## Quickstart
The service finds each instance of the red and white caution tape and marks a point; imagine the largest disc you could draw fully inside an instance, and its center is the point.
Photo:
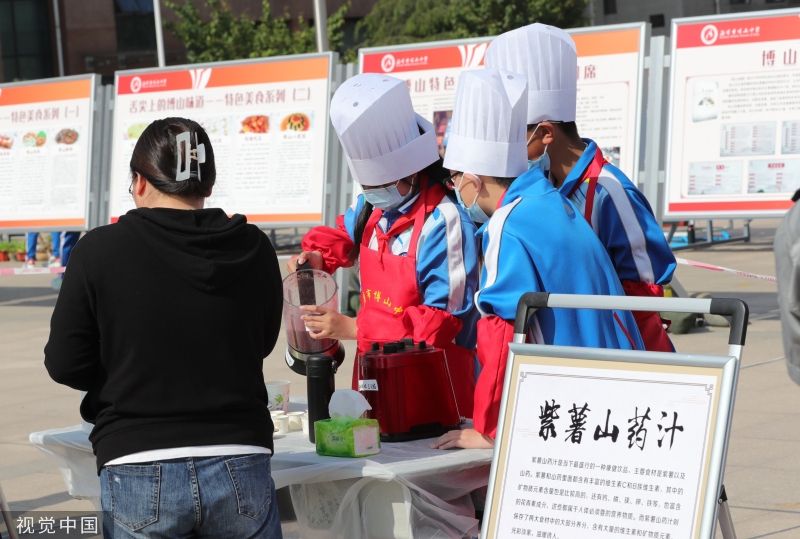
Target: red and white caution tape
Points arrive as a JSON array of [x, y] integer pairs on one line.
[[712, 267], [30, 271]]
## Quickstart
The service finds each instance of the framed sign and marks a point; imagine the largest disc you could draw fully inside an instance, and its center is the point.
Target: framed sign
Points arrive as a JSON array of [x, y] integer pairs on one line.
[[602, 443], [610, 67], [268, 124], [46, 136], [734, 121]]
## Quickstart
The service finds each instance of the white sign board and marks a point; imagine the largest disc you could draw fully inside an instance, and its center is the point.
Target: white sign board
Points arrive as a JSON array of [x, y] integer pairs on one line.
[[734, 143], [267, 120], [610, 60], [611, 444], [45, 153]]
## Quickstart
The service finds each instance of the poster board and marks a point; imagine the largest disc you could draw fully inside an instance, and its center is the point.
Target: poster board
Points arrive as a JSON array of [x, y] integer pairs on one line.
[[46, 138], [268, 124], [610, 67], [734, 121], [609, 443]]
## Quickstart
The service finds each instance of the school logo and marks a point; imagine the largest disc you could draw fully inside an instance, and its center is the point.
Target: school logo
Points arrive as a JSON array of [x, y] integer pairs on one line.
[[472, 54], [709, 34], [388, 62], [200, 77], [136, 84]]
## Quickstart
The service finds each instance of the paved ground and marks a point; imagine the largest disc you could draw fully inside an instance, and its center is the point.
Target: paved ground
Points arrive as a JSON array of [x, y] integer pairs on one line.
[[763, 471]]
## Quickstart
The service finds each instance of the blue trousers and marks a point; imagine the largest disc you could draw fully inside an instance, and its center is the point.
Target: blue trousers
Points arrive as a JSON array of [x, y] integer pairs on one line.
[[62, 244], [215, 497]]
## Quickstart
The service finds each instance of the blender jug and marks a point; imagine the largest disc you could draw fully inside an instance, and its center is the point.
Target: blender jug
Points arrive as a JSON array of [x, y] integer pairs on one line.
[[308, 287]]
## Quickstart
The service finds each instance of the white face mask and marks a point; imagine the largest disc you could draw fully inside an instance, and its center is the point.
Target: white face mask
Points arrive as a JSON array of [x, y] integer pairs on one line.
[[543, 161], [389, 197]]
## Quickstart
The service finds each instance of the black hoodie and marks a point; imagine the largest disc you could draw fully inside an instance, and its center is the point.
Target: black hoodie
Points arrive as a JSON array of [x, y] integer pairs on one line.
[[165, 318]]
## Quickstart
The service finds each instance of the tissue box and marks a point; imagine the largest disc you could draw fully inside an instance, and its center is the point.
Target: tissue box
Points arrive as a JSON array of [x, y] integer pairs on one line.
[[347, 437]]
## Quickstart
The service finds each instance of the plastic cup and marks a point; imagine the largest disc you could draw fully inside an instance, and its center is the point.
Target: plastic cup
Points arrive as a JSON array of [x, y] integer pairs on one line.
[[295, 421], [278, 393], [281, 424]]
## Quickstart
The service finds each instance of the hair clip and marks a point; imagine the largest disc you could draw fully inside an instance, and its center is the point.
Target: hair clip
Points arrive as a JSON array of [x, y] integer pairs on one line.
[[198, 153]]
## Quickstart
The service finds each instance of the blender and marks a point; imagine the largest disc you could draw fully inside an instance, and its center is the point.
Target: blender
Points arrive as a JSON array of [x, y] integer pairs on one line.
[[316, 359]]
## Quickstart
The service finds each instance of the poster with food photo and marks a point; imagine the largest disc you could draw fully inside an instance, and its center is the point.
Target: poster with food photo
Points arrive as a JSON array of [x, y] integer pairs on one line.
[[270, 153], [45, 153]]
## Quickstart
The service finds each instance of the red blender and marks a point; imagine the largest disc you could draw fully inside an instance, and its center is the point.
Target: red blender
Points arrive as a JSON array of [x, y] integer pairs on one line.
[[410, 390]]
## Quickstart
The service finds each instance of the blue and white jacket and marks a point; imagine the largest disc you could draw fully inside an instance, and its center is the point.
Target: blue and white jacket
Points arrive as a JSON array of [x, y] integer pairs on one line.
[[624, 222]]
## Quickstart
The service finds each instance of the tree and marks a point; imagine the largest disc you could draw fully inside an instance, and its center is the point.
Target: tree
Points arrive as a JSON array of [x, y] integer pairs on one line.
[[226, 36], [407, 21]]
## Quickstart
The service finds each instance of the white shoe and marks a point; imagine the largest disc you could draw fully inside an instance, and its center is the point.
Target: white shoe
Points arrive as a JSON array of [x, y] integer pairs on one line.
[[54, 262]]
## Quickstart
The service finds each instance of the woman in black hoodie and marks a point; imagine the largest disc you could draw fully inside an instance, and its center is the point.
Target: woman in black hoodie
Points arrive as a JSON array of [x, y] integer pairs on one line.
[[164, 318]]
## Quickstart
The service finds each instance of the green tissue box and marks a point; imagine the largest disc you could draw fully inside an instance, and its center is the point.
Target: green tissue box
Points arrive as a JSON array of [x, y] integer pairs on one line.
[[340, 437]]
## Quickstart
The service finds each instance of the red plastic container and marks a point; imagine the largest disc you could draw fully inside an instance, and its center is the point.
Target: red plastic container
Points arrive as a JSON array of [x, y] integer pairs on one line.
[[410, 390]]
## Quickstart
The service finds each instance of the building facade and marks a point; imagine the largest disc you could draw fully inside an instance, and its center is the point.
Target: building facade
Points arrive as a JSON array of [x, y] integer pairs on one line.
[[102, 36], [659, 13], [48, 38]]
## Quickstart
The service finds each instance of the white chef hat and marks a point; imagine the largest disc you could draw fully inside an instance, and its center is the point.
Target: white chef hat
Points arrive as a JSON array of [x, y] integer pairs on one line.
[[488, 132], [379, 130], [546, 55]]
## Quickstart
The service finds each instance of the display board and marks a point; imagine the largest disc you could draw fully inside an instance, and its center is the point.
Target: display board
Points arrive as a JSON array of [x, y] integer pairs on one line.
[[609, 443], [45, 153], [268, 124], [734, 131], [610, 66]]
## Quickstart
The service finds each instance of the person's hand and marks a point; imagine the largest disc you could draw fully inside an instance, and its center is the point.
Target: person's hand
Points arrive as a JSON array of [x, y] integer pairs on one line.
[[314, 257], [327, 323], [465, 439]]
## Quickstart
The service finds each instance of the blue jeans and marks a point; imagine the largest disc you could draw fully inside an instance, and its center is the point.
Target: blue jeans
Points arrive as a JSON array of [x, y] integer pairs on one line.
[[61, 248], [215, 497]]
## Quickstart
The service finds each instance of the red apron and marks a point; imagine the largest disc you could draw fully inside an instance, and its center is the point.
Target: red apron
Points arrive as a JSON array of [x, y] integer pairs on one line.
[[389, 287], [650, 324]]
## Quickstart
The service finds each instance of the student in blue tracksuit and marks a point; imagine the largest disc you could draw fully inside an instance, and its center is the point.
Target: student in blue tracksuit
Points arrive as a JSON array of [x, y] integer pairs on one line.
[[533, 239], [615, 208]]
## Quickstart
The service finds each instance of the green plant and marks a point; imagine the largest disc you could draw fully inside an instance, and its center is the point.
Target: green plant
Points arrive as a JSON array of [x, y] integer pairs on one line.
[[5, 246], [223, 35], [16, 246], [407, 21]]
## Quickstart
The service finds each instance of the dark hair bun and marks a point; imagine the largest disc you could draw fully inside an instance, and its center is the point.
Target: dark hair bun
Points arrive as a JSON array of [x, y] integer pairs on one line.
[[155, 157]]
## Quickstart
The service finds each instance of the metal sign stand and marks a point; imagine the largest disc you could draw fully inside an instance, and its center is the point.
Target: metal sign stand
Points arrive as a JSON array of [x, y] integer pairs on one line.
[[710, 240], [734, 308], [6, 511]]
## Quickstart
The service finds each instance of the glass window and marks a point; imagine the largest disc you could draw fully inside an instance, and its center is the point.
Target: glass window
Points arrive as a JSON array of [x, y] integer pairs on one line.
[[25, 39], [610, 7], [135, 25], [657, 20]]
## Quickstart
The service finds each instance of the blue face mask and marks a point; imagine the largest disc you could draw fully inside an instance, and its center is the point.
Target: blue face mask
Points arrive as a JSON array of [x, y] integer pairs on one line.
[[386, 198], [543, 162], [474, 212]]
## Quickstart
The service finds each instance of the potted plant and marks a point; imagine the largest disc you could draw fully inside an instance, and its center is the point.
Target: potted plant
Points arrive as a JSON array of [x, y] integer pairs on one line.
[[5, 247], [18, 248]]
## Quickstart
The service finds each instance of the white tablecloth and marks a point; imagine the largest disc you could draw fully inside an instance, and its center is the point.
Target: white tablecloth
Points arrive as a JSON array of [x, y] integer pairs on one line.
[[423, 489]]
